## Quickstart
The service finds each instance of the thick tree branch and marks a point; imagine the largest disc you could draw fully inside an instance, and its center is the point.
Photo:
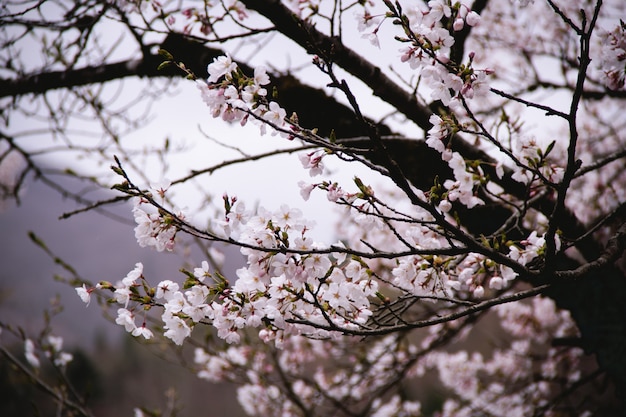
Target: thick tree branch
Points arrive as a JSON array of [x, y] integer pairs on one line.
[[614, 250], [315, 42], [195, 56]]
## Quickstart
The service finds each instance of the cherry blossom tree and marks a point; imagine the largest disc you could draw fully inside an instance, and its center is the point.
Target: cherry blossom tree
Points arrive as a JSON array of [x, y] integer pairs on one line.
[[491, 211]]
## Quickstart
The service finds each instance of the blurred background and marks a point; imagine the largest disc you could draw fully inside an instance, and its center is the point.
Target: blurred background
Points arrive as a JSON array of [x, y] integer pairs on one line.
[[116, 371]]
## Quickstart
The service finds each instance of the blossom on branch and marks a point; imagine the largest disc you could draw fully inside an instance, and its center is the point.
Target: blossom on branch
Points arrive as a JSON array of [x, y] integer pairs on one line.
[[220, 67], [29, 353], [613, 58], [153, 229]]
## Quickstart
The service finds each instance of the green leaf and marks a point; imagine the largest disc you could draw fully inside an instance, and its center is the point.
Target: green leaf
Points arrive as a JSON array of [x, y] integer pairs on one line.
[[117, 170], [549, 148], [166, 54], [123, 187], [164, 64]]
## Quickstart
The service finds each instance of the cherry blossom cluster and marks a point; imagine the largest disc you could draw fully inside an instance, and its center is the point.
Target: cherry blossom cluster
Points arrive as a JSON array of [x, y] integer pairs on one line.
[[514, 379], [596, 191], [51, 347], [343, 369], [531, 247], [430, 47], [613, 58], [442, 276], [156, 226], [259, 392], [236, 98], [292, 284], [448, 276], [124, 292], [134, 294], [385, 357], [462, 188], [431, 275], [519, 379], [287, 280], [154, 229], [536, 162], [276, 289]]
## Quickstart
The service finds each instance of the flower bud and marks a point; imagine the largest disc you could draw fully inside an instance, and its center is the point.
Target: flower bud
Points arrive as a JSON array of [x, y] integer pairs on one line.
[[458, 24]]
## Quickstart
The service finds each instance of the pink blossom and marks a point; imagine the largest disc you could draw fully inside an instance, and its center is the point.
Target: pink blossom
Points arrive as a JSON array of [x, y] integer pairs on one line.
[[458, 24], [478, 292], [305, 189], [143, 331], [275, 114], [126, 318], [472, 18], [496, 283], [166, 289], [313, 162], [29, 353], [176, 328], [222, 65], [203, 272], [84, 293]]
